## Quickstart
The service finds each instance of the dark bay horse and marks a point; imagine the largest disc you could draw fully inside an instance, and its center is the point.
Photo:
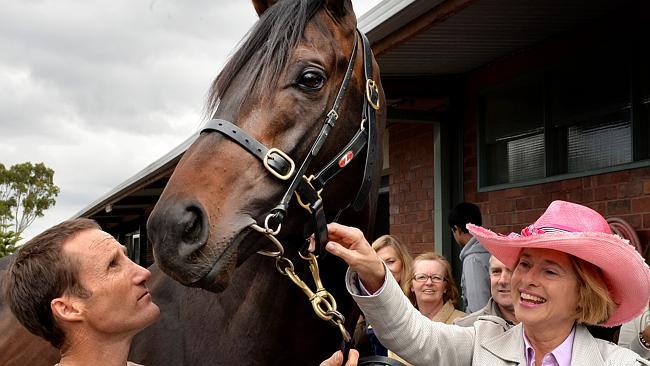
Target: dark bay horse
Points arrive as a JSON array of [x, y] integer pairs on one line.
[[227, 305]]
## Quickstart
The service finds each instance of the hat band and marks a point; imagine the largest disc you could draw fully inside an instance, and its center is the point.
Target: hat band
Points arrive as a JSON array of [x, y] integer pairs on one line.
[[532, 230]]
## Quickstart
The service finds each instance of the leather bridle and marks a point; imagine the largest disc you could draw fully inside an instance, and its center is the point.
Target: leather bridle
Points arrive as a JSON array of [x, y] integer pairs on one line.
[[307, 189]]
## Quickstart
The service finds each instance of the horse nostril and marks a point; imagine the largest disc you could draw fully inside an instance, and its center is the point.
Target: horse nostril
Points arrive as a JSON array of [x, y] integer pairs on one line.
[[193, 231]]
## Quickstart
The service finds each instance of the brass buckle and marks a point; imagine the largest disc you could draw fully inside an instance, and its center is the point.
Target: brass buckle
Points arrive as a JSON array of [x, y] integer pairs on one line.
[[266, 158], [307, 206], [371, 87]]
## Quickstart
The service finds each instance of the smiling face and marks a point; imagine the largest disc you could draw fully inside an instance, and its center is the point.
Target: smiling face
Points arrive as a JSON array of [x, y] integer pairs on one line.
[[389, 255], [545, 289], [119, 302], [429, 292], [500, 277]]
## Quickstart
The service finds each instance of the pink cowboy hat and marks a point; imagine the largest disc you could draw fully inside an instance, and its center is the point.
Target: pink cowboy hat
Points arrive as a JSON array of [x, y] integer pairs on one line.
[[582, 232]]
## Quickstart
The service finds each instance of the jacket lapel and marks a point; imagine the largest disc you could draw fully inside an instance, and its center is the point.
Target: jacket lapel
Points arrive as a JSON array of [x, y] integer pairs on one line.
[[508, 346], [585, 349]]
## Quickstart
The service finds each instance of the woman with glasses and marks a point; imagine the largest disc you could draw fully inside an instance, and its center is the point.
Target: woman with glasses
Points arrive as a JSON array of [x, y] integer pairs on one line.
[[435, 290]]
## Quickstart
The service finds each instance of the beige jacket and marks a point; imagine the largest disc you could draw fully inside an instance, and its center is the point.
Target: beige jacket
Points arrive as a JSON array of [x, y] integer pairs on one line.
[[491, 308], [447, 314], [402, 328]]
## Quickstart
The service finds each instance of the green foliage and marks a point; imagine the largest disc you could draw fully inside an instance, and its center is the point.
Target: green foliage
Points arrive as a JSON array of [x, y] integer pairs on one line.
[[26, 191], [8, 241]]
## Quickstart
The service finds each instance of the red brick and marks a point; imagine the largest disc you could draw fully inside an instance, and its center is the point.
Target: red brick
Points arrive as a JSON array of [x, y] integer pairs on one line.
[[515, 192], [571, 184], [619, 207], [524, 203], [630, 189], [646, 187], [542, 201], [552, 187], [641, 205], [646, 221], [604, 193], [620, 177]]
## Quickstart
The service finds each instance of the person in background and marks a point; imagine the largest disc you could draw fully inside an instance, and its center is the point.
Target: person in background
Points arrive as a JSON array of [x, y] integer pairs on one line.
[[399, 262], [635, 334], [435, 291], [500, 304], [74, 286], [474, 281]]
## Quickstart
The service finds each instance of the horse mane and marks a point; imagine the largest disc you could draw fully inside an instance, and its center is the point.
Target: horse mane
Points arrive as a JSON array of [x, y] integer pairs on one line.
[[265, 49]]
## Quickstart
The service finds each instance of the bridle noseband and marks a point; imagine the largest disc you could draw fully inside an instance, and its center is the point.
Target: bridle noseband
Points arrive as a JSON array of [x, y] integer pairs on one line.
[[307, 189]]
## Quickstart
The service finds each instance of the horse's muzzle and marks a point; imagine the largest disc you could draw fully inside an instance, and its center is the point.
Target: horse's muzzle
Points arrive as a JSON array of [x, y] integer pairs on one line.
[[178, 230]]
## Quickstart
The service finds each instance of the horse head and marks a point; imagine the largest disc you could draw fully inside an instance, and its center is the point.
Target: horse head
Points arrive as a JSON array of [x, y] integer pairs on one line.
[[285, 107]]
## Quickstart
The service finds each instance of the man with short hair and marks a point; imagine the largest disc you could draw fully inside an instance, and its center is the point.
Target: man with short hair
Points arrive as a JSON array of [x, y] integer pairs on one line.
[[474, 281], [500, 304], [74, 286]]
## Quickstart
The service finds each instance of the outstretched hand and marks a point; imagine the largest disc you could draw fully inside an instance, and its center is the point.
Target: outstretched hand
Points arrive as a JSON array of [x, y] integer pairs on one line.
[[349, 244], [337, 359]]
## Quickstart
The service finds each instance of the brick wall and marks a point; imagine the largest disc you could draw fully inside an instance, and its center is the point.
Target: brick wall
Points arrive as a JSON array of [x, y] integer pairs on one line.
[[624, 194], [411, 185]]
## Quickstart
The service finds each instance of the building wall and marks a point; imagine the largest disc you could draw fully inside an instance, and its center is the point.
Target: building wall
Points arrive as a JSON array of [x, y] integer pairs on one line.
[[411, 185], [624, 194]]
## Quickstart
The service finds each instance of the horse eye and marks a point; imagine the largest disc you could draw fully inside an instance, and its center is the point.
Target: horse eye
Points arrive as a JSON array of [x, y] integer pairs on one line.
[[311, 80]]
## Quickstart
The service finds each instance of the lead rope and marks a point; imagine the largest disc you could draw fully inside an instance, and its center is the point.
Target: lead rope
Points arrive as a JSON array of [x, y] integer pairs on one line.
[[322, 302]]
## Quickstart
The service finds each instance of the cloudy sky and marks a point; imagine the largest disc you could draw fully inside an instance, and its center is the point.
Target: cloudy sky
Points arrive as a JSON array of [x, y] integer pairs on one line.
[[99, 89]]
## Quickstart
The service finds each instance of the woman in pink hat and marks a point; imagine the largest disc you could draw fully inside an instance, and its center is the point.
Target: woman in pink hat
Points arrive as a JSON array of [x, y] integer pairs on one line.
[[569, 271]]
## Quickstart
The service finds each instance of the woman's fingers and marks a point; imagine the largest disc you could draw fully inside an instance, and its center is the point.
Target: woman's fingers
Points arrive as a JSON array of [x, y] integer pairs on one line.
[[346, 235], [353, 357], [337, 359], [349, 244]]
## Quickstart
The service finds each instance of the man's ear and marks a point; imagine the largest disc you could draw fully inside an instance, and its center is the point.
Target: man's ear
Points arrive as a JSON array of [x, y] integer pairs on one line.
[[66, 309], [262, 5]]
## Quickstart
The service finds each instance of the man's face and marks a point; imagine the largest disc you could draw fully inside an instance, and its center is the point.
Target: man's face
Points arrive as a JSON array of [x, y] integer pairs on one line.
[[500, 277], [119, 302], [455, 232]]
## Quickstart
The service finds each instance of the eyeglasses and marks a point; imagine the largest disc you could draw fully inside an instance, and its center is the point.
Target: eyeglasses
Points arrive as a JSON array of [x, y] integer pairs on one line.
[[421, 277]]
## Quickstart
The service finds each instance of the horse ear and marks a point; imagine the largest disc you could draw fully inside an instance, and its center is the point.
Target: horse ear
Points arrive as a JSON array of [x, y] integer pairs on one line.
[[340, 8], [262, 5]]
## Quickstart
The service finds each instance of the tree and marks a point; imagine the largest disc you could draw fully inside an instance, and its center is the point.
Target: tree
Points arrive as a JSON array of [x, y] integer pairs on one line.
[[26, 191], [8, 241]]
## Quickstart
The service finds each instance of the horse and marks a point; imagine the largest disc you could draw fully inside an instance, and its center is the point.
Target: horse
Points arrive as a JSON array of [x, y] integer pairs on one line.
[[305, 83]]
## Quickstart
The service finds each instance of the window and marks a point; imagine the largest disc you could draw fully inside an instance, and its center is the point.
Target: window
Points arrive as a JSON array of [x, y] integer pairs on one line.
[[589, 112]]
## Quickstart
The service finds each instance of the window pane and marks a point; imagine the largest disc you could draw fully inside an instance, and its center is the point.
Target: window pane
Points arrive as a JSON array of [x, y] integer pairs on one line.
[[592, 147], [513, 131], [516, 160]]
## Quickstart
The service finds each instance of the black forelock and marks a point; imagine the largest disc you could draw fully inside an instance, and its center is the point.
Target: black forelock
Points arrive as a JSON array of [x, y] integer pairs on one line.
[[265, 48]]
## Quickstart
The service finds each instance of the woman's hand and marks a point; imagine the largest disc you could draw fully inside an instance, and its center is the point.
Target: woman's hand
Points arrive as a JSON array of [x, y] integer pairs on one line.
[[337, 359], [349, 244]]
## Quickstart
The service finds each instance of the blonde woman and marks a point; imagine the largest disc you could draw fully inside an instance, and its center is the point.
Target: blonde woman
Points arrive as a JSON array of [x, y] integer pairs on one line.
[[399, 262]]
